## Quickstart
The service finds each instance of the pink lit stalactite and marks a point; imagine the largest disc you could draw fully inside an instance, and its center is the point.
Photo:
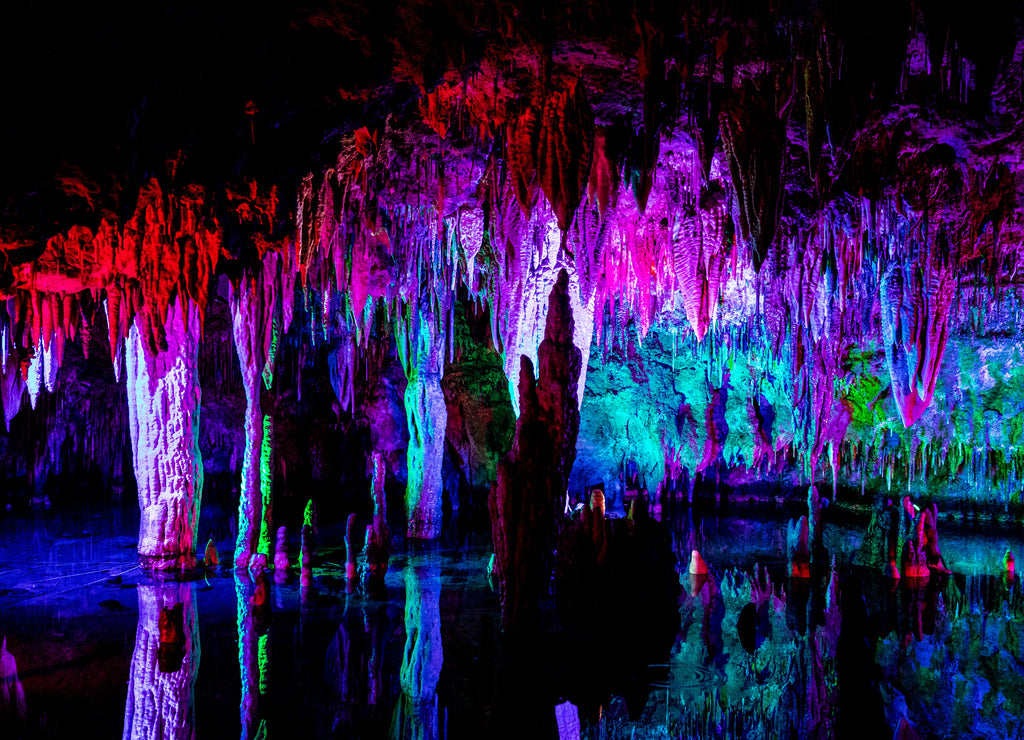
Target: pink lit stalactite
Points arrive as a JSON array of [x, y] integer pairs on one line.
[[163, 416], [422, 347], [699, 256], [253, 304], [165, 663]]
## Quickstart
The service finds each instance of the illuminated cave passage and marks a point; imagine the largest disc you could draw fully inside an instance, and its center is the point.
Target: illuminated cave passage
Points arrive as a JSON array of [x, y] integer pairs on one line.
[[531, 369]]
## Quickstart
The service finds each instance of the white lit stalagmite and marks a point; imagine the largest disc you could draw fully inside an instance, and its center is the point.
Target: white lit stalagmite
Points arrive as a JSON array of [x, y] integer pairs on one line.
[[163, 416], [165, 663]]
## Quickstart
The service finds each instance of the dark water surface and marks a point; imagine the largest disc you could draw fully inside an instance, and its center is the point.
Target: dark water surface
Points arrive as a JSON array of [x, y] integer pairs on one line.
[[102, 651]]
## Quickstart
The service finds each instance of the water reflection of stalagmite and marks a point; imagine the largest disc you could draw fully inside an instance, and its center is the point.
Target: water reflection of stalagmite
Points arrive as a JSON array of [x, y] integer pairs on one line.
[[164, 665], [253, 651], [12, 695], [416, 712]]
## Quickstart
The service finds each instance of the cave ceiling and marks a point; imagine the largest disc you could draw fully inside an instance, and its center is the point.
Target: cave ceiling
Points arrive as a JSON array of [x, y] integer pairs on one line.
[[832, 189]]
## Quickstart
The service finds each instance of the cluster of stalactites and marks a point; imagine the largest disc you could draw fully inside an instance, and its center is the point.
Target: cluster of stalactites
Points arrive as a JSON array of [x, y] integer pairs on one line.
[[166, 251]]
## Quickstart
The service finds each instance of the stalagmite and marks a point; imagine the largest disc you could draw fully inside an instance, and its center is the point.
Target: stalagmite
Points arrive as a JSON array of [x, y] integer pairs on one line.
[[163, 413], [210, 557], [373, 561], [165, 664], [281, 550], [307, 549]]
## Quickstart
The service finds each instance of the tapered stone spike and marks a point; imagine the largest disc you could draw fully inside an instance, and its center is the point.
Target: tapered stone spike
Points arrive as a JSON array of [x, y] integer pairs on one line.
[[281, 550], [697, 565], [211, 559]]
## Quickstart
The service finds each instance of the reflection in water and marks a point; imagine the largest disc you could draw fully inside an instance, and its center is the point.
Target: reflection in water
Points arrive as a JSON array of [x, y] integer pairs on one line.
[[253, 609], [355, 668], [415, 715], [746, 651], [12, 694], [164, 665]]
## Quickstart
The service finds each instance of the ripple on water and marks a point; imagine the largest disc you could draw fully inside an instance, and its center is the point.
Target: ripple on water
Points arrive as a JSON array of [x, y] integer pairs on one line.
[[691, 677]]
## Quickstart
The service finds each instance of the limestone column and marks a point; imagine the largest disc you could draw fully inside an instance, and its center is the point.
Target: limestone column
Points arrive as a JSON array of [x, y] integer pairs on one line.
[[163, 416], [253, 313]]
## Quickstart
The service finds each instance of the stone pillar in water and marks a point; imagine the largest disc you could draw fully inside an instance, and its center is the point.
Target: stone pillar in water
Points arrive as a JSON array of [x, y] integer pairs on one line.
[[163, 417], [165, 663], [423, 354], [253, 316]]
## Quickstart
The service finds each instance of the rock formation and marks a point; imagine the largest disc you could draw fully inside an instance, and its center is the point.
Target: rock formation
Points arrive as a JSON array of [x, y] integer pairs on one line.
[[532, 479]]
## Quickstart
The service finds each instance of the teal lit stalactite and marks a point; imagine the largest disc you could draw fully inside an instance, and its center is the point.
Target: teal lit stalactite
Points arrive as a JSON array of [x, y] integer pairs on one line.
[[165, 664], [421, 346]]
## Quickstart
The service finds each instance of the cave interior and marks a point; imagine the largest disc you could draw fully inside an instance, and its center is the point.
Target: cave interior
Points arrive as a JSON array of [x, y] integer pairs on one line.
[[452, 368]]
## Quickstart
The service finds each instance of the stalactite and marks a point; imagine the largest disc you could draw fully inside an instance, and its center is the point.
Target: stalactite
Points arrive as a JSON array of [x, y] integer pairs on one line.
[[915, 327]]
